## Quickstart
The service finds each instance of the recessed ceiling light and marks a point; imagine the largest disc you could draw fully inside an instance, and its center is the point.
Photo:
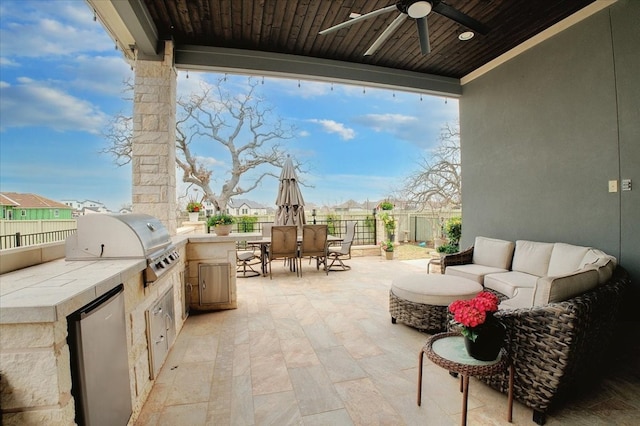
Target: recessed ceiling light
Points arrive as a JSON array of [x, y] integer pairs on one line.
[[467, 35]]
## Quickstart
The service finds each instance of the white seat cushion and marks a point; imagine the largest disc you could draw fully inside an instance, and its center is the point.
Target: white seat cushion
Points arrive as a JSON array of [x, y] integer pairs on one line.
[[437, 290], [565, 258], [507, 282], [493, 252], [532, 257], [472, 271]]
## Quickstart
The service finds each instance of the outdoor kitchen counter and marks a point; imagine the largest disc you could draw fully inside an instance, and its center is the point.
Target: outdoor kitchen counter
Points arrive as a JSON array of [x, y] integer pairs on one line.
[[50, 291]]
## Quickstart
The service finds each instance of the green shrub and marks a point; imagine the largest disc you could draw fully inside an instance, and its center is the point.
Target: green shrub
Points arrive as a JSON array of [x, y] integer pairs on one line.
[[447, 249]]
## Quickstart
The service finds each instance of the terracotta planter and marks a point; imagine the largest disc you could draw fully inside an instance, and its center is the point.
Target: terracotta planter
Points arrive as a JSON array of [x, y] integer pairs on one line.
[[222, 230]]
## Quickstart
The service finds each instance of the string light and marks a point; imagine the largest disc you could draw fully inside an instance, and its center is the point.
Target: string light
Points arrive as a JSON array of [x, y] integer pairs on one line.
[[95, 17], [298, 83], [187, 74], [394, 94], [225, 76], [263, 79], [364, 90], [420, 97], [332, 87], [445, 101]]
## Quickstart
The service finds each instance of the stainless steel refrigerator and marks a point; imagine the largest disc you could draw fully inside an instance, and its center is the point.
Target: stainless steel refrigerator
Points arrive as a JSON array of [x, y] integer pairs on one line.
[[99, 361]]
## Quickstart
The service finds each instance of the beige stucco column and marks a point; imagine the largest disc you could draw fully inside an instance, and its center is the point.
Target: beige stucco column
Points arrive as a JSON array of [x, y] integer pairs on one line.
[[154, 134]]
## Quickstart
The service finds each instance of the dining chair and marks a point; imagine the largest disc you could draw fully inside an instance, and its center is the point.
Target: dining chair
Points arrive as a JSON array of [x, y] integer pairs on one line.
[[284, 245], [337, 254], [245, 261], [314, 245]]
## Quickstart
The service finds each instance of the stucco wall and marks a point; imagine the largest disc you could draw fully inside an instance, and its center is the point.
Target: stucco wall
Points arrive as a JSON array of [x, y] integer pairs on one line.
[[543, 134]]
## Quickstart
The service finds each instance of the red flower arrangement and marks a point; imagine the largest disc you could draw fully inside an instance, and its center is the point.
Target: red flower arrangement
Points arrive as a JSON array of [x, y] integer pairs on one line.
[[470, 314]]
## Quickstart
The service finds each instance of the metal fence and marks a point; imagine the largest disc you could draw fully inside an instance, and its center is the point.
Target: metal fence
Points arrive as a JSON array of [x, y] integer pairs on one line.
[[20, 240]]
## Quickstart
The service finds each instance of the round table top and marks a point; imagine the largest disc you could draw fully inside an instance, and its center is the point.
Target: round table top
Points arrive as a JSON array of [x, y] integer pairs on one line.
[[448, 351]]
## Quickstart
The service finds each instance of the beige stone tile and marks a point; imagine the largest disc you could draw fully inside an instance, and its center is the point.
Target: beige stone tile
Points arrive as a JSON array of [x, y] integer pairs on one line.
[[201, 349], [314, 390], [264, 342], [337, 417], [320, 336], [276, 409], [298, 353], [241, 360], [192, 384], [288, 328], [186, 414], [269, 374], [242, 401], [340, 365], [365, 403]]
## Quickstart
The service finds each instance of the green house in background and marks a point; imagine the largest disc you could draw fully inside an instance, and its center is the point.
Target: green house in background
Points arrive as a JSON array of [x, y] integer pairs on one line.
[[16, 206]]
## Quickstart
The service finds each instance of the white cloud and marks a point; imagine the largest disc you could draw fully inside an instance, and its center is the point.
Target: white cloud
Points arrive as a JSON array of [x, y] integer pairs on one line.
[[100, 74], [331, 126], [384, 122], [304, 133], [35, 103], [43, 29]]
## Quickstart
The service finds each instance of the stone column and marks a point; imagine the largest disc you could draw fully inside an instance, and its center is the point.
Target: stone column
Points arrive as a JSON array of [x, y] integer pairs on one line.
[[154, 139]]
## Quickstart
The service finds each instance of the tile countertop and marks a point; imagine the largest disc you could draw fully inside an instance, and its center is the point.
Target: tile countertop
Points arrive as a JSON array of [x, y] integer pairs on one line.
[[52, 290]]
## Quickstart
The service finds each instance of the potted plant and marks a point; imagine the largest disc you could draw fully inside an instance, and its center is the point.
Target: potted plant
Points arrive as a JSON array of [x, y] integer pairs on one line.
[[453, 230], [390, 224], [194, 208], [483, 333], [386, 205], [387, 247], [222, 223]]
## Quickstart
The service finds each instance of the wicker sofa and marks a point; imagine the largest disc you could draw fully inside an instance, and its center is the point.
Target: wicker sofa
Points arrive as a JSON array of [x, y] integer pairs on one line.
[[557, 347]]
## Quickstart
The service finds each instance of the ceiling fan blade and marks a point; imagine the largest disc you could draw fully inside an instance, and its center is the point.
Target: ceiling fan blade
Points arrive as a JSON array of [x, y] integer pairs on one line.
[[423, 35], [358, 19], [386, 34], [455, 15]]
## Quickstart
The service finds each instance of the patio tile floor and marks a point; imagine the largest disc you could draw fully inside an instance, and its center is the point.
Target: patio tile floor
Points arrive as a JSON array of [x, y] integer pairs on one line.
[[321, 350]]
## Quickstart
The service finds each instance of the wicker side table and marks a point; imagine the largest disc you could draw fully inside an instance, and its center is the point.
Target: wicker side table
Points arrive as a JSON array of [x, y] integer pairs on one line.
[[447, 350]]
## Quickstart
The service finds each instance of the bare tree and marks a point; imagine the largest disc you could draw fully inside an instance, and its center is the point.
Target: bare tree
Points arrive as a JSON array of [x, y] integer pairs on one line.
[[437, 182], [242, 123]]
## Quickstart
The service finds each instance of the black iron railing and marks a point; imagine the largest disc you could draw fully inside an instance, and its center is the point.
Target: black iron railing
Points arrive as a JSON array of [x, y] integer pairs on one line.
[[365, 228], [20, 240]]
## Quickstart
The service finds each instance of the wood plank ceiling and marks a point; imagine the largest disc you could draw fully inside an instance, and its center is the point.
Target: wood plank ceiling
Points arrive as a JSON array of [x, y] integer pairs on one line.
[[292, 26]]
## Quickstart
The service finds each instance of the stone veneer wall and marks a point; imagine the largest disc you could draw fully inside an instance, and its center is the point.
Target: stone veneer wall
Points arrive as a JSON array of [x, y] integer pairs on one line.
[[154, 139]]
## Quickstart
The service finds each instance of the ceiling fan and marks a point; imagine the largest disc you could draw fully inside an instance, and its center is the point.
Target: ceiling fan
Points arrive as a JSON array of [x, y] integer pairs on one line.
[[417, 10]]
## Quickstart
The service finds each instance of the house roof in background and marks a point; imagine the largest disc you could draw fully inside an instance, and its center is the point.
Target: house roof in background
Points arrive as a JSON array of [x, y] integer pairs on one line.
[[29, 201]]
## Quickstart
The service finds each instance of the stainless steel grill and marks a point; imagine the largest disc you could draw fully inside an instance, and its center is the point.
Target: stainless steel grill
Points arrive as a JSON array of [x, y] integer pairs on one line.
[[123, 236]]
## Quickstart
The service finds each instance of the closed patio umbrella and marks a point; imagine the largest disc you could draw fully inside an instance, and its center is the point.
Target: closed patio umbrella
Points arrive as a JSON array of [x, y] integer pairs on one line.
[[289, 201]]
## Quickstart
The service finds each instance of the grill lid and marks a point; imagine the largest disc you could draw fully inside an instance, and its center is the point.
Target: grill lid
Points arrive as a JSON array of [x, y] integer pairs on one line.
[[117, 236]]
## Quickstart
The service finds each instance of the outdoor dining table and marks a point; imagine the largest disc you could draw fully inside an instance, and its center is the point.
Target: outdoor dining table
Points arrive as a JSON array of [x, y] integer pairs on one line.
[[264, 243]]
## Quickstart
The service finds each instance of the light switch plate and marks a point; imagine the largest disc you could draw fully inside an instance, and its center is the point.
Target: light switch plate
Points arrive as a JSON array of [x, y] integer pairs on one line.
[[613, 186], [626, 184]]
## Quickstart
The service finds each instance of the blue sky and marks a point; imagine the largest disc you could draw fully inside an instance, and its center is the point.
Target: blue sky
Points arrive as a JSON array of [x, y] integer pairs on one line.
[[61, 80]]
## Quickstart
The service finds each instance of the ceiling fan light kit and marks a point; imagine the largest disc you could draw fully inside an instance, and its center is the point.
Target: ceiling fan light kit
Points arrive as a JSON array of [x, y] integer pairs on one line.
[[418, 11]]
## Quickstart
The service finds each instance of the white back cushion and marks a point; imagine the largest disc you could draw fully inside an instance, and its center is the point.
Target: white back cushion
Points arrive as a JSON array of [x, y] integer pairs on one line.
[[565, 258], [557, 289], [532, 257], [492, 252]]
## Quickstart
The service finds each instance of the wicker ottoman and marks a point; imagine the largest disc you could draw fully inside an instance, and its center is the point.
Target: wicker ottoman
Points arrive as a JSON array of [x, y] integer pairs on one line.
[[421, 300]]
